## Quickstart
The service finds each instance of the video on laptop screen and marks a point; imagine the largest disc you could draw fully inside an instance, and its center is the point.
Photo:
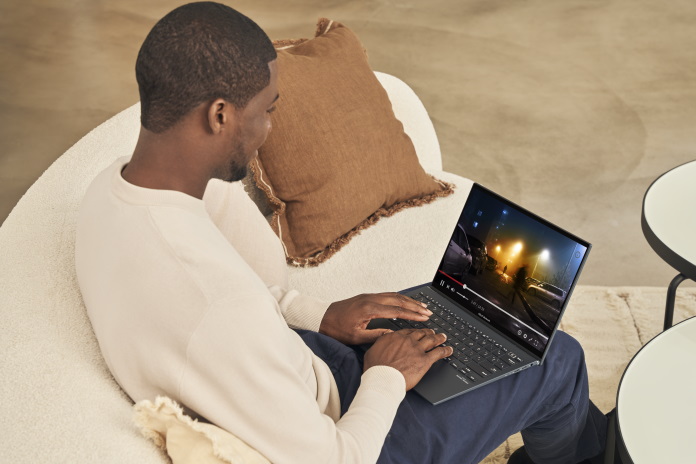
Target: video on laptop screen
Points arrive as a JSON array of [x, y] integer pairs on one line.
[[510, 268]]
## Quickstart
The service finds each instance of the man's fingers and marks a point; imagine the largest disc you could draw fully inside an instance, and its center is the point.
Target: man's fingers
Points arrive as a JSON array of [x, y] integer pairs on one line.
[[431, 340], [407, 331], [421, 334], [406, 303], [371, 336], [439, 352], [398, 312], [412, 305]]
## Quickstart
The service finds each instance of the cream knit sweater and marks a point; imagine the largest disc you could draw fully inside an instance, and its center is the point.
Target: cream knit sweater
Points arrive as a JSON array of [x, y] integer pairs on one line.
[[190, 299]]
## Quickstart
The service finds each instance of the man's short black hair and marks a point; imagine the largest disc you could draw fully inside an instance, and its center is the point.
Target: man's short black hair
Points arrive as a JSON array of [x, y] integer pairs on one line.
[[197, 53]]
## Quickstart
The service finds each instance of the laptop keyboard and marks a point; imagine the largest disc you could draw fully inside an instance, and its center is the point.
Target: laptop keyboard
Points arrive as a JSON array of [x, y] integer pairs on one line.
[[476, 355]]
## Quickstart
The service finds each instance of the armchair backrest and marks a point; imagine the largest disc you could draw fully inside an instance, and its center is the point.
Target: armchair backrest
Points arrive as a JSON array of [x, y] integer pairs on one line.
[[57, 395]]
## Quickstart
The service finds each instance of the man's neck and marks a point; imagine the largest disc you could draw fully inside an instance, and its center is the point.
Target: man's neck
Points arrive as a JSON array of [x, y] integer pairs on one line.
[[165, 162]]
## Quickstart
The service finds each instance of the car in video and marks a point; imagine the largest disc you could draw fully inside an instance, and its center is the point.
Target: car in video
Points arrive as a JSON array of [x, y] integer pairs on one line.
[[457, 260], [479, 254], [547, 292]]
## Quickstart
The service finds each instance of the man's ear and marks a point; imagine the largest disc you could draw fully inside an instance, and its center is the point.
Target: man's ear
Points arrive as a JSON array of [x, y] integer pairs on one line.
[[220, 116]]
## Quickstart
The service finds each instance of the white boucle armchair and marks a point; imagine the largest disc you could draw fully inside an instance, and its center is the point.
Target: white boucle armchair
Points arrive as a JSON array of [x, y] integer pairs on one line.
[[58, 401]]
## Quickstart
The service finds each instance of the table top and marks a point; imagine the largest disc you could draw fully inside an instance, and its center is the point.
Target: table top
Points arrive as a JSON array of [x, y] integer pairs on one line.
[[669, 218], [656, 402]]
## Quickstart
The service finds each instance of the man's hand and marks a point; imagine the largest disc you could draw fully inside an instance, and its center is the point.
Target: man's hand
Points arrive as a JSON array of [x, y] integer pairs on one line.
[[410, 351], [347, 320]]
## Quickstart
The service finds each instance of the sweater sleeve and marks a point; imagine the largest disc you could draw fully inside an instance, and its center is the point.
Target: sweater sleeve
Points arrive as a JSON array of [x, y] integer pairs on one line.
[[250, 375], [243, 225], [300, 311]]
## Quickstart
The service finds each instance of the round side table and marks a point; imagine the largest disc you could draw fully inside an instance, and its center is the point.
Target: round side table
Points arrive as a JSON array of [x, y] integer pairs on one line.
[[669, 225], [656, 401]]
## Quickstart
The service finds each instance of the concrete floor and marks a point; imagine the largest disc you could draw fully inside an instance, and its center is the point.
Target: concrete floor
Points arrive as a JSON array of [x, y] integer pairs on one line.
[[568, 108]]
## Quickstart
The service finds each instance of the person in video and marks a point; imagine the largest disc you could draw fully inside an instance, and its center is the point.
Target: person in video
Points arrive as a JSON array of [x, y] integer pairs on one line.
[[186, 287], [519, 282]]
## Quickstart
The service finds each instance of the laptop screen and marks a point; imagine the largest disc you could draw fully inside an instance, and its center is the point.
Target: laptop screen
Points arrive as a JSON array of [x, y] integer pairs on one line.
[[510, 268]]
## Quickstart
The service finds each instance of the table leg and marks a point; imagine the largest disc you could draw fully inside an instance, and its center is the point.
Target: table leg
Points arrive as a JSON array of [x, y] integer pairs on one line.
[[671, 294], [615, 451]]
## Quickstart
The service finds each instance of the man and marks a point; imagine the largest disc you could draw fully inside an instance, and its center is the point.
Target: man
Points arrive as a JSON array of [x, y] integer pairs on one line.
[[187, 291]]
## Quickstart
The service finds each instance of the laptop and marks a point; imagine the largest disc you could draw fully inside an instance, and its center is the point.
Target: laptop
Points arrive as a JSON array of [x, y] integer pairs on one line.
[[499, 292]]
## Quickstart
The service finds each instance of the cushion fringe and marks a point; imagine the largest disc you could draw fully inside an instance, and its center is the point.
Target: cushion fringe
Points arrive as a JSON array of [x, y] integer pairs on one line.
[[276, 203], [282, 44], [340, 242]]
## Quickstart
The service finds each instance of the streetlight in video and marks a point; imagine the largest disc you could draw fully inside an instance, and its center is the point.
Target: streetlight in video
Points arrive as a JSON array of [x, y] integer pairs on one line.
[[544, 255], [516, 248]]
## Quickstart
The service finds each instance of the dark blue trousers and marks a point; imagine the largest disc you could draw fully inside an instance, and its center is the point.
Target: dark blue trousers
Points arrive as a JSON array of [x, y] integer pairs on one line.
[[549, 404]]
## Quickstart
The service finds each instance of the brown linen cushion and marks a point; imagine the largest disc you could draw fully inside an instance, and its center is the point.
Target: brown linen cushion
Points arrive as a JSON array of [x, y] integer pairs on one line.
[[337, 158]]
